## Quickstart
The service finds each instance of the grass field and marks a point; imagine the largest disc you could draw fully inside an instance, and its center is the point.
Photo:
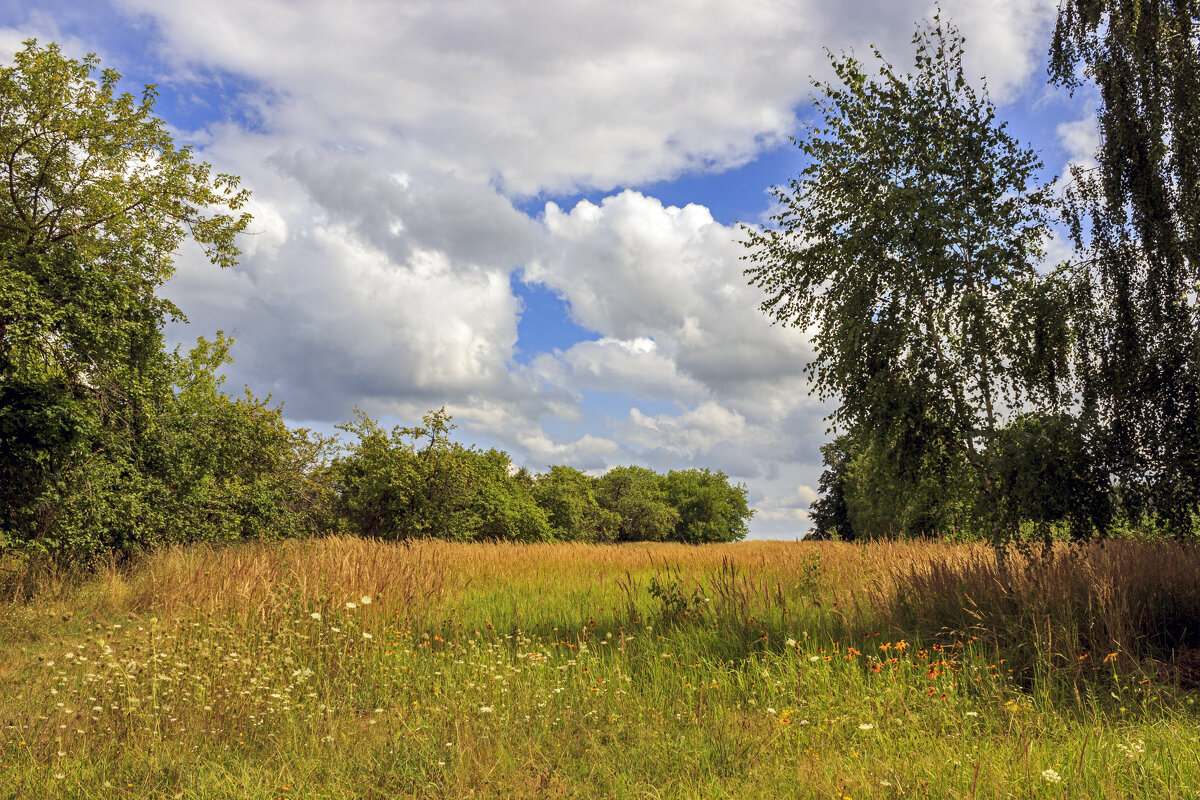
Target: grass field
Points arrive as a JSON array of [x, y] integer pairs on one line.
[[350, 668]]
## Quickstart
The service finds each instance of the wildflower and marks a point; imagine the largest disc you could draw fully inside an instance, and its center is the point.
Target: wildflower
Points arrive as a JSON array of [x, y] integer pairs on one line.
[[866, 726], [791, 642], [486, 709], [367, 635], [814, 658], [351, 606], [1051, 776], [366, 600], [316, 615], [770, 711], [972, 713]]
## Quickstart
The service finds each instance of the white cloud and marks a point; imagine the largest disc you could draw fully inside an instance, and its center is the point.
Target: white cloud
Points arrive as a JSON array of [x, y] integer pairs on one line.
[[692, 432], [607, 364], [558, 95], [1007, 40], [1080, 139], [631, 267]]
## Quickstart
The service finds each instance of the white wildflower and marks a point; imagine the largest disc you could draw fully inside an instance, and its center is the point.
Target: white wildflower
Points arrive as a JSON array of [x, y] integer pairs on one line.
[[1051, 776]]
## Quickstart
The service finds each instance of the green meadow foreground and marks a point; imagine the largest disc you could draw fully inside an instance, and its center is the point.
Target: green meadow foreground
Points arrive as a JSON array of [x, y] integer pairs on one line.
[[352, 668]]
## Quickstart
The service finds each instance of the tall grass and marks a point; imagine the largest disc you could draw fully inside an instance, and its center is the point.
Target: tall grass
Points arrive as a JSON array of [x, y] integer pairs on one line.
[[351, 668], [1068, 610]]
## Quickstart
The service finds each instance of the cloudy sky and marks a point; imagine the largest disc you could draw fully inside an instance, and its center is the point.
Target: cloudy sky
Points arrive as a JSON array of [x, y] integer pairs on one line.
[[526, 210]]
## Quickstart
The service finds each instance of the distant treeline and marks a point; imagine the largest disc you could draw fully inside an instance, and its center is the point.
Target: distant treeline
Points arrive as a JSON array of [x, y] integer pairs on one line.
[[183, 462], [416, 482]]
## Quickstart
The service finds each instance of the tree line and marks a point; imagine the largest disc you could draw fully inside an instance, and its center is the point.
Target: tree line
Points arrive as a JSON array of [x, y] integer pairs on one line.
[[982, 391], [111, 443]]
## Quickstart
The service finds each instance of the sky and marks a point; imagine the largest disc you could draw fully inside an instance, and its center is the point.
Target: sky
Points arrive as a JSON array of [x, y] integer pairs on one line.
[[527, 211]]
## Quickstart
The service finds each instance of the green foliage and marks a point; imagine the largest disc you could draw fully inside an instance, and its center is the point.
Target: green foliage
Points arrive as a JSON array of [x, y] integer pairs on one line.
[[568, 497], [390, 490], [1135, 222], [89, 166], [909, 246], [417, 483], [710, 508], [871, 492], [414, 482], [505, 506], [635, 496], [1048, 476], [108, 442]]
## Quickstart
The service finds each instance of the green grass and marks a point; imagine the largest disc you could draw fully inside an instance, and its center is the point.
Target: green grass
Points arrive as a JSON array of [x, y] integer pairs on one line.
[[567, 678]]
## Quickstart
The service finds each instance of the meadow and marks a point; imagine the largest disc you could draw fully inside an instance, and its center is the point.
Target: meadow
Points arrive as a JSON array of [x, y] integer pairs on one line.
[[346, 667]]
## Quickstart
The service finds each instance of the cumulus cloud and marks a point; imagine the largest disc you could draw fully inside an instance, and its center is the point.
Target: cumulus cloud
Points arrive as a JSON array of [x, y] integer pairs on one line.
[[556, 96], [1006, 40], [632, 267], [635, 366], [1080, 139]]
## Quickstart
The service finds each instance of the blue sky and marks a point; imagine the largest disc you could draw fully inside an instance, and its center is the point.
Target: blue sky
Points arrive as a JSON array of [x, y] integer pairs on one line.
[[526, 212]]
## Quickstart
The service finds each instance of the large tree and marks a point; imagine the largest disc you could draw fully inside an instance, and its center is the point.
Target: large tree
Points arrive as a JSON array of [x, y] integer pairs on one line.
[[908, 249], [108, 441], [1135, 219], [95, 199]]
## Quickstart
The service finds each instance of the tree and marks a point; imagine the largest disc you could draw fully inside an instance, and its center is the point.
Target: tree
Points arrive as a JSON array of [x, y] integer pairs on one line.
[[393, 488], [909, 246], [635, 496], [711, 509], [107, 441], [830, 515], [1135, 221], [97, 198], [414, 482], [504, 504], [568, 497], [870, 490], [1048, 475]]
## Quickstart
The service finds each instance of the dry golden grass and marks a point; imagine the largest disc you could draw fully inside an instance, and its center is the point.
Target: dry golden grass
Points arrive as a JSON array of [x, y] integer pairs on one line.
[[1138, 599]]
